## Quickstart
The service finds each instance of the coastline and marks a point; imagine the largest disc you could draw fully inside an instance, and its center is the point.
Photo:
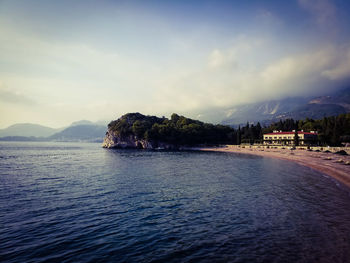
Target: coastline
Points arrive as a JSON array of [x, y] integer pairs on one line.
[[334, 165]]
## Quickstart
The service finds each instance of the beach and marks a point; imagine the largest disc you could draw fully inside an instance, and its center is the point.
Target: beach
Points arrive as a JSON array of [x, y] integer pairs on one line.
[[331, 164]]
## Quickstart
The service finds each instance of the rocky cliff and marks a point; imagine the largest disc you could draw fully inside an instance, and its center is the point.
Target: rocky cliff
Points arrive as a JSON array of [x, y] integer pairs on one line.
[[115, 140]]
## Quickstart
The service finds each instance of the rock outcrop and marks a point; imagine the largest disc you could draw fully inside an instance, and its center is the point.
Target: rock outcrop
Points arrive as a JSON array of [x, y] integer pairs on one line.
[[115, 140]]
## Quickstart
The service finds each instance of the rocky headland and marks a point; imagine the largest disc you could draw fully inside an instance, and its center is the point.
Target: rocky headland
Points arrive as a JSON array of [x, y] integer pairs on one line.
[[134, 130]]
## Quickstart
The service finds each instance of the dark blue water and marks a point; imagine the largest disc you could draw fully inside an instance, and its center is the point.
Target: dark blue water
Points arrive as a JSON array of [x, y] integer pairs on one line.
[[64, 202]]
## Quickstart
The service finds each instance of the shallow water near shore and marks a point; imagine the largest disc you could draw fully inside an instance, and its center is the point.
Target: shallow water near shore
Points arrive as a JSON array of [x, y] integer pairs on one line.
[[70, 202]]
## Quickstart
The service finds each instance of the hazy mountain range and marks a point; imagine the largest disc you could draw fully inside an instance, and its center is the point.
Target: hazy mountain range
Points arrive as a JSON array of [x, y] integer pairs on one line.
[[83, 130], [28, 129], [297, 108]]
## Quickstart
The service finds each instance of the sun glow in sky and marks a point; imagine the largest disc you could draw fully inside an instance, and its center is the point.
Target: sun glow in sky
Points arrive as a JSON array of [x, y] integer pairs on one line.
[[62, 61]]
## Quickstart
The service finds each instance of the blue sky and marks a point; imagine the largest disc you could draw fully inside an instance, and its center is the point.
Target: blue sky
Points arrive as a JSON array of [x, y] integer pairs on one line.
[[62, 61]]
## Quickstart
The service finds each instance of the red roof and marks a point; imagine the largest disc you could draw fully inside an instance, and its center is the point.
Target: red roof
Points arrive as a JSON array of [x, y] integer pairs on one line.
[[299, 132]]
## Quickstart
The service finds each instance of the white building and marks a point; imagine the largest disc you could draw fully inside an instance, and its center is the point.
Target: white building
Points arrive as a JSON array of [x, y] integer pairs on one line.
[[287, 138]]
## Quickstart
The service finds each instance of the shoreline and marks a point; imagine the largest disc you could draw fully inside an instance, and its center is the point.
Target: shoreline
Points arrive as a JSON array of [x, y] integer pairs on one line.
[[333, 165]]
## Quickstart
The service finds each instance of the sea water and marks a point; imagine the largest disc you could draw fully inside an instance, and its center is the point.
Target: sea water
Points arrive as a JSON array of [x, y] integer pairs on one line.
[[78, 202]]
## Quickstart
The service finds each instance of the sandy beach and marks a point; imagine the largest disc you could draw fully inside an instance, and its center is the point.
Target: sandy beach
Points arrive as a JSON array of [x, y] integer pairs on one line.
[[334, 165]]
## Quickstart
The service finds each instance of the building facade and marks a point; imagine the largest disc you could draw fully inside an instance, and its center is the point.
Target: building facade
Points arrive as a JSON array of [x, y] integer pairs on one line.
[[287, 138]]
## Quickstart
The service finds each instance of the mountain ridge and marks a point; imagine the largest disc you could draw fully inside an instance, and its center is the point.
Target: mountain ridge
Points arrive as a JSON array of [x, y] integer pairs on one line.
[[78, 131], [28, 129], [267, 112]]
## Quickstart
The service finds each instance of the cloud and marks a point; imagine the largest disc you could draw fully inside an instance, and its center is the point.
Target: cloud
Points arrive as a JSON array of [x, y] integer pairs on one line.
[[217, 59], [323, 11], [342, 69], [220, 86], [299, 71], [233, 56], [15, 97]]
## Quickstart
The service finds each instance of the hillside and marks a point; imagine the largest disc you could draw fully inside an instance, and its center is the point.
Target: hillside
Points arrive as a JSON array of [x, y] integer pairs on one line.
[[297, 108], [27, 130], [77, 131], [134, 130], [80, 133]]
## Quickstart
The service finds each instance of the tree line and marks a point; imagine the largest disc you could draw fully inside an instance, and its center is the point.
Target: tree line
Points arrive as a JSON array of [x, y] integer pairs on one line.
[[179, 130]]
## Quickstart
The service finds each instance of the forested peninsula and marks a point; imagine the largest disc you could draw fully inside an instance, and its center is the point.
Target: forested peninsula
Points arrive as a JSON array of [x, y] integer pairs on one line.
[[135, 130]]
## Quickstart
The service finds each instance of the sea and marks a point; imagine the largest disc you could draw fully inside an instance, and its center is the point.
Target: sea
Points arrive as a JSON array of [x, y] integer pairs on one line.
[[79, 202]]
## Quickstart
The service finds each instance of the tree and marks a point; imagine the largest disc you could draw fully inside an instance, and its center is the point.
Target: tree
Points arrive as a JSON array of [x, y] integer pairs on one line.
[[138, 129], [239, 135], [335, 133], [174, 118], [260, 134], [296, 137]]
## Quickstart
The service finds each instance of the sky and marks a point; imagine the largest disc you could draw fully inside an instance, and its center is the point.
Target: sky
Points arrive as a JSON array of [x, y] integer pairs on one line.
[[63, 61]]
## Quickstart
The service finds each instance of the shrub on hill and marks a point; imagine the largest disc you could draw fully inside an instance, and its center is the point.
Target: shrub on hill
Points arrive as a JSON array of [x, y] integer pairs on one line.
[[177, 130]]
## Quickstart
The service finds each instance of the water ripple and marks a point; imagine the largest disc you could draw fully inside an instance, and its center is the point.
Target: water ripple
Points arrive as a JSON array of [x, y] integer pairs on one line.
[[81, 203]]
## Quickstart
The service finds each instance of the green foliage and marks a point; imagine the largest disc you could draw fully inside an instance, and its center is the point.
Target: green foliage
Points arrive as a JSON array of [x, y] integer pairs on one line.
[[138, 128], [177, 130], [250, 134], [134, 124]]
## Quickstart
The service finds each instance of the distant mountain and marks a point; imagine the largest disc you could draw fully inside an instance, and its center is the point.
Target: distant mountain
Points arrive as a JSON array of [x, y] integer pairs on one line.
[[85, 132], [262, 111], [314, 111], [86, 122], [82, 122], [27, 130], [296, 108]]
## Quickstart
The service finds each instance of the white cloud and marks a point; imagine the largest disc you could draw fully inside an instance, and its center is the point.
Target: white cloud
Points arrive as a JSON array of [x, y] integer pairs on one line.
[[233, 57], [216, 86], [342, 69], [298, 71], [217, 59]]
